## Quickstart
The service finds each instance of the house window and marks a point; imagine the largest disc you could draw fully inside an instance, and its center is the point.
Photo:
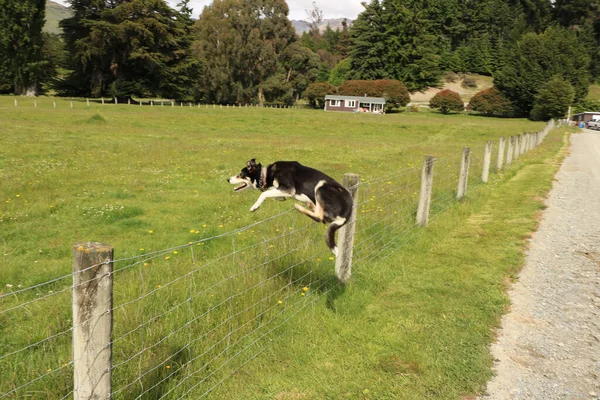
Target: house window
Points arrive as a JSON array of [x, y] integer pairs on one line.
[[351, 103], [336, 103]]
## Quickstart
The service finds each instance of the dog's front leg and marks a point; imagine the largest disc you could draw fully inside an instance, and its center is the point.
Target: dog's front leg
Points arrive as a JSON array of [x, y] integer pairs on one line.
[[268, 194]]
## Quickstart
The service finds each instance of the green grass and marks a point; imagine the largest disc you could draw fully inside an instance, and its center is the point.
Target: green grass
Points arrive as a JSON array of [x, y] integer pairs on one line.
[[150, 178]]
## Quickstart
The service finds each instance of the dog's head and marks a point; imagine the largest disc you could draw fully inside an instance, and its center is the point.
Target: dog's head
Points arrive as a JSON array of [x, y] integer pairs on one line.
[[248, 177]]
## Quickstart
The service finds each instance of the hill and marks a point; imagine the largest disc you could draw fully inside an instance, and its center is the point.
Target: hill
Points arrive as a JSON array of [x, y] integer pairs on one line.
[[54, 14], [302, 26]]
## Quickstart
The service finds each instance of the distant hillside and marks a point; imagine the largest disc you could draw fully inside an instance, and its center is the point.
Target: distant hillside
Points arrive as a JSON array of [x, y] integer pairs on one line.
[[303, 26], [54, 14]]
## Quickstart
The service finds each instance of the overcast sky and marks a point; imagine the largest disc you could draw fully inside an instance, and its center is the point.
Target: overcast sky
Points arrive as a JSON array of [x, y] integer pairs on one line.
[[331, 9]]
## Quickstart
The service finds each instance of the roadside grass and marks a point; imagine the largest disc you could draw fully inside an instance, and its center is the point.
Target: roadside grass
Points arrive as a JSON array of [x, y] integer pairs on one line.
[[146, 179]]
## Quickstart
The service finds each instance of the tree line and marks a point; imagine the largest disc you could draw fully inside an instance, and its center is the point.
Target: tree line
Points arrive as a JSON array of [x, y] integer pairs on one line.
[[246, 51]]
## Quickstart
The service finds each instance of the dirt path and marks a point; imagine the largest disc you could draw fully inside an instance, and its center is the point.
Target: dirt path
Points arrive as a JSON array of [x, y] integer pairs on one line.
[[549, 343]]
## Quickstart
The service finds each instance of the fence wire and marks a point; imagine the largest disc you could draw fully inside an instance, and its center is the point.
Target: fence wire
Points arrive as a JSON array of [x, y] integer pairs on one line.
[[186, 318]]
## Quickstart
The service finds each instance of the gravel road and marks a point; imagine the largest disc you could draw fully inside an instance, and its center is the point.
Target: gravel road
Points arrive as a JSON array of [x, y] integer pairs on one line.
[[549, 344]]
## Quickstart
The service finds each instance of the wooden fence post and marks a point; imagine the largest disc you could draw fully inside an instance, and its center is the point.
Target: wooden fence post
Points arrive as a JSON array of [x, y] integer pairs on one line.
[[524, 143], [463, 177], [92, 320], [500, 160], [517, 147], [487, 158], [426, 189], [509, 150], [103, 101], [343, 260]]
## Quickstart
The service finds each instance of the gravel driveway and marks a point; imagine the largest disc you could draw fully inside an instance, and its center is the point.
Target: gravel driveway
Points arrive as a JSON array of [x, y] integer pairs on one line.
[[549, 344]]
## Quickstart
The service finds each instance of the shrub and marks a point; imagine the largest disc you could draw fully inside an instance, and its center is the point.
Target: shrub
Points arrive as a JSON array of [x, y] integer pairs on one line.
[[447, 101], [553, 100], [316, 92], [394, 91], [491, 102], [469, 82], [450, 77]]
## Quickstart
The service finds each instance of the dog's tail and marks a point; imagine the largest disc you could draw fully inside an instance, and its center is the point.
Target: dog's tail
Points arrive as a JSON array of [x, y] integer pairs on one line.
[[331, 229]]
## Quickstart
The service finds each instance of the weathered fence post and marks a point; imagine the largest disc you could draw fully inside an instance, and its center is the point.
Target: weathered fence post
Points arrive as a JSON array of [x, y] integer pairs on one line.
[[426, 189], [524, 143], [87, 101], [103, 101], [92, 320], [509, 150], [343, 260], [35, 103], [16, 103], [500, 160], [517, 147], [463, 177], [487, 158]]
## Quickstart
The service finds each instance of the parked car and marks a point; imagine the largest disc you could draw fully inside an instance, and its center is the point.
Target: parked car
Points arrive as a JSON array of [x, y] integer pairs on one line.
[[594, 124]]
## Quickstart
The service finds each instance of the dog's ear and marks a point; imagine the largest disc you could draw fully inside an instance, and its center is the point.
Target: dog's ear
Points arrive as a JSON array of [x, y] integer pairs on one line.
[[251, 165]]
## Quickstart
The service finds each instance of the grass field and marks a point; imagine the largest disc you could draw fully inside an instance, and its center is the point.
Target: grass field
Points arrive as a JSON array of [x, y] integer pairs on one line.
[[152, 182]]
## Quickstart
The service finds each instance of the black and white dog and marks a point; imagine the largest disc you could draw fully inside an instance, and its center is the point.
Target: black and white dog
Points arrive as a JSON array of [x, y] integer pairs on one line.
[[327, 200]]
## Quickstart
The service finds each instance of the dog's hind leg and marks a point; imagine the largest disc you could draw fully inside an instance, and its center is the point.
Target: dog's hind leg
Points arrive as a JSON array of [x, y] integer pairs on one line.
[[316, 214]]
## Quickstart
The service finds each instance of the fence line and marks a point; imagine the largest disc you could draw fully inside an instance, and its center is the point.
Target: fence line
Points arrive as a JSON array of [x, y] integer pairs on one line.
[[102, 101], [185, 320]]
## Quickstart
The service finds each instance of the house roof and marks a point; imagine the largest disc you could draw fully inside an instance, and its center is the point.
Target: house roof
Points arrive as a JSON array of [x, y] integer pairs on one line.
[[362, 99], [588, 112]]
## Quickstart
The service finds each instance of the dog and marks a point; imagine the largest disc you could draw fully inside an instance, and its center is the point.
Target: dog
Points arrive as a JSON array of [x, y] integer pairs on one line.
[[327, 201]]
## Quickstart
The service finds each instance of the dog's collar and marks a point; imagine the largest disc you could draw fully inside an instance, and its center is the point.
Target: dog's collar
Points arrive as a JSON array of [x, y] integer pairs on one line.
[[262, 181]]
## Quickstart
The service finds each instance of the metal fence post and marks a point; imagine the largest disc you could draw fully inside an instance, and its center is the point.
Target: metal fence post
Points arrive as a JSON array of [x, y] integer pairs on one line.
[[343, 261], [426, 189], [92, 320], [463, 177]]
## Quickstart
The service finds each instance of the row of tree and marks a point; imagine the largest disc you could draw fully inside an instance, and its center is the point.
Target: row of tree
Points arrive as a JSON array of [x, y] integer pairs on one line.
[[246, 51]]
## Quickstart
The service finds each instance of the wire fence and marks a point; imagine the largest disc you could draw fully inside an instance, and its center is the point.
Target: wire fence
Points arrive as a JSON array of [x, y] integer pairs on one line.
[[71, 103], [187, 318]]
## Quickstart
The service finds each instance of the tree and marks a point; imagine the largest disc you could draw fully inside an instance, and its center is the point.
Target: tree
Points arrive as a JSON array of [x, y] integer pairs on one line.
[[491, 102], [130, 48], [21, 63], [414, 57], [316, 92], [538, 58], [368, 50], [242, 44], [553, 100], [446, 101]]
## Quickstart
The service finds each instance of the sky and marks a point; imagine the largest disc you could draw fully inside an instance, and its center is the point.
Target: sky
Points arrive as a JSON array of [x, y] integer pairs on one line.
[[331, 9]]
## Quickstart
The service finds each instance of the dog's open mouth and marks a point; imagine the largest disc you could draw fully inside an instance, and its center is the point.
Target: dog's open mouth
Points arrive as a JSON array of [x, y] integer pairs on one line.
[[240, 187]]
